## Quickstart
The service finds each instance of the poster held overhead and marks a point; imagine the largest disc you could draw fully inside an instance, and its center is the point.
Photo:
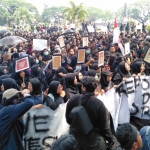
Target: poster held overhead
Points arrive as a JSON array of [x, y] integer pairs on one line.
[[85, 41], [101, 58], [90, 29], [147, 54], [122, 49], [81, 56], [22, 64], [61, 41], [72, 25], [127, 48], [39, 44], [56, 61]]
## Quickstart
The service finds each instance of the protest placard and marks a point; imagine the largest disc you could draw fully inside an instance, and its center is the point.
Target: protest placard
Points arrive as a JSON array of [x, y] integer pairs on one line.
[[56, 61], [22, 64], [72, 25], [90, 29], [127, 48], [85, 41], [147, 56], [81, 56], [101, 58], [61, 41], [39, 44], [121, 48]]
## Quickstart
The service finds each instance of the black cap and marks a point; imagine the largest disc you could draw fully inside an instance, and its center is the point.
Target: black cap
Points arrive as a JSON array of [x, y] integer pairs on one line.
[[107, 53]]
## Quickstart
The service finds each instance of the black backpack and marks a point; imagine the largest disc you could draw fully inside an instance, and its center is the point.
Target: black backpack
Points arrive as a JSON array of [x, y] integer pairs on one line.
[[80, 119]]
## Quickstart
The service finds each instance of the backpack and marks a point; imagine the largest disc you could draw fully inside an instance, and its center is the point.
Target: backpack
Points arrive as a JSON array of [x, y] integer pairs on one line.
[[80, 119]]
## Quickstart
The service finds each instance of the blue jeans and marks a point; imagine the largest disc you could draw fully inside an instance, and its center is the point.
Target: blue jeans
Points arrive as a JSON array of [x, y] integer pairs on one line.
[[145, 135]]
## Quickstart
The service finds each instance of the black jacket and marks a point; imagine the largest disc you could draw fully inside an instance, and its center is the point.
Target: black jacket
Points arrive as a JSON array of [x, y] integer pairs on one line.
[[96, 111]]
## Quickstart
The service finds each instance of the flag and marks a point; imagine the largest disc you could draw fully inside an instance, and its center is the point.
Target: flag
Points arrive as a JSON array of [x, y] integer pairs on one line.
[[116, 32]]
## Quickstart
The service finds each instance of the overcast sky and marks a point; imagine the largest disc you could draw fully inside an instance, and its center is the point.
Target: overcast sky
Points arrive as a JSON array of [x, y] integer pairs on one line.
[[103, 4]]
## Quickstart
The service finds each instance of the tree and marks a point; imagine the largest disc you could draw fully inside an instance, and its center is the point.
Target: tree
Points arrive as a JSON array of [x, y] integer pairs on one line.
[[9, 7], [75, 13], [22, 14], [107, 16], [51, 12], [140, 11], [93, 13]]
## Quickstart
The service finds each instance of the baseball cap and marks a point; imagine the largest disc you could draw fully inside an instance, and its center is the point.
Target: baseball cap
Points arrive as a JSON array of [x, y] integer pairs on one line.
[[10, 93]]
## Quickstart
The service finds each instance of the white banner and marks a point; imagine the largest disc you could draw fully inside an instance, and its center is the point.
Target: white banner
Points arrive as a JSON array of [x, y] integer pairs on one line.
[[39, 44], [44, 126], [111, 102]]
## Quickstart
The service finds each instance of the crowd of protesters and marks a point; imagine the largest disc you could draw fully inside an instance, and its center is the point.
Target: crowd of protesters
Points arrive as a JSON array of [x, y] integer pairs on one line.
[[51, 88]]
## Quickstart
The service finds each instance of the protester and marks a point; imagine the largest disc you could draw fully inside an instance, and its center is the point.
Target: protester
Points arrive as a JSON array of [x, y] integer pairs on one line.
[[66, 142], [71, 85], [34, 87], [11, 123], [111, 70], [129, 137], [97, 114], [55, 95]]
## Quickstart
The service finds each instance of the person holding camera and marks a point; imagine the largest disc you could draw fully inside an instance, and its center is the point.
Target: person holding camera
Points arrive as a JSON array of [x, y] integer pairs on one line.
[[15, 105]]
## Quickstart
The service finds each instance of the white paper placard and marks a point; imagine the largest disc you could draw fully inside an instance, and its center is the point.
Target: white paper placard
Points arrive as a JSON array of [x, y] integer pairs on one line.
[[39, 44], [61, 41], [139, 27], [127, 48], [85, 41], [104, 29], [90, 29], [122, 49], [72, 25]]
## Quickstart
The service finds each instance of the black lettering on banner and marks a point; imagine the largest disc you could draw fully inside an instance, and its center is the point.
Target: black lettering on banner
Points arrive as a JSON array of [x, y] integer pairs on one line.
[[145, 112], [146, 81], [36, 122], [27, 123], [48, 144], [129, 88], [144, 98], [33, 143], [134, 112], [136, 81]]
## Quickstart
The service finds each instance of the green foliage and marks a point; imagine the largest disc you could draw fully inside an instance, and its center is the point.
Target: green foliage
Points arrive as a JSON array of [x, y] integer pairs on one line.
[[131, 22], [140, 11], [22, 14], [93, 13], [75, 13], [148, 28], [107, 16], [51, 12], [9, 7]]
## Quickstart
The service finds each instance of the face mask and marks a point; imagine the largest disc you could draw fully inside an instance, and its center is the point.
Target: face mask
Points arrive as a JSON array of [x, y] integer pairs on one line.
[[88, 52], [96, 78], [37, 61], [63, 62], [45, 53]]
